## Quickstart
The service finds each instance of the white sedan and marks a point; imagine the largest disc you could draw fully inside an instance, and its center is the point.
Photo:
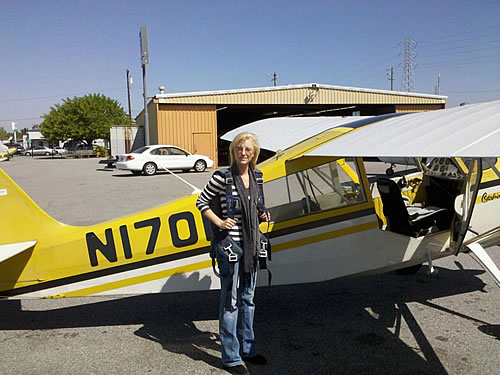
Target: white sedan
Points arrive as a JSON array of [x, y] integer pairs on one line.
[[150, 159]]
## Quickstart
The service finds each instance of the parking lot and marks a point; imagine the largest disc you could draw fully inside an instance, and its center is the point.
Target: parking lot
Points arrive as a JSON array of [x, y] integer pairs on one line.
[[447, 323]]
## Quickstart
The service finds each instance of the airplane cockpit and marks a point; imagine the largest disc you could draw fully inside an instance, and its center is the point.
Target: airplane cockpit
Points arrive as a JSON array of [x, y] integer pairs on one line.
[[424, 202], [323, 186], [421, 203]]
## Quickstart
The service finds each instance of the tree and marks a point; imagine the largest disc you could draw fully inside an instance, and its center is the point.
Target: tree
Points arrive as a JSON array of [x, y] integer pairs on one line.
[[83, 119], [3, 133]]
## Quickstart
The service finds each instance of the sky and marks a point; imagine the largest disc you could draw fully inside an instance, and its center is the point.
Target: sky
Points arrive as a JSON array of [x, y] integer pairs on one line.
[[52, 50]]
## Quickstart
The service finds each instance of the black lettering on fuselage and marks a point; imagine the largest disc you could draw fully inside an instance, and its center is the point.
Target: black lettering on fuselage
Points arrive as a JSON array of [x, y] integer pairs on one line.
[[193, 234], [127, 250], [155, 224], [107, 249]]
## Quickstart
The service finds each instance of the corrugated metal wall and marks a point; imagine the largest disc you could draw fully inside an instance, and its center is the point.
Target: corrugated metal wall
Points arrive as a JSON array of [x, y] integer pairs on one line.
[[178, 125], [153, 123], [304, 96]]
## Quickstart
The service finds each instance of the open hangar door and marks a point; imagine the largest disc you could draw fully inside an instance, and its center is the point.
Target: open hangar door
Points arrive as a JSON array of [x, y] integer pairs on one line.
[[230, 117]]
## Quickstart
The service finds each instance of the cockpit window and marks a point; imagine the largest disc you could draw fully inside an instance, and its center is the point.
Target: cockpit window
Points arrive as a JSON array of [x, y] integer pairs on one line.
[[328, 186], [487, 163]]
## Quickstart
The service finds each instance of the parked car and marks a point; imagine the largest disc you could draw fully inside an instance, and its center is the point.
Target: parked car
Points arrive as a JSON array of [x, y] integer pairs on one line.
[[39, 150], [60, 151], [150, 159]]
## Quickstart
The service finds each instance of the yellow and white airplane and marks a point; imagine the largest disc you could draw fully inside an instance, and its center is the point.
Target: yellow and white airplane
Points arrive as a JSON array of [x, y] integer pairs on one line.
[[5, 152], [332, 216]]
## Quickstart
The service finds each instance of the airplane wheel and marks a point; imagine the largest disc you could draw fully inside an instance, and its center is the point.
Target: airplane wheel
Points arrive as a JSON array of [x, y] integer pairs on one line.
[[200, 166], [149, 169], [412, 270]]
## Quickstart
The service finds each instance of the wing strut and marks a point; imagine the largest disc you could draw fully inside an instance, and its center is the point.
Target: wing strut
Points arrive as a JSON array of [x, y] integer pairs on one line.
[[477, 246]]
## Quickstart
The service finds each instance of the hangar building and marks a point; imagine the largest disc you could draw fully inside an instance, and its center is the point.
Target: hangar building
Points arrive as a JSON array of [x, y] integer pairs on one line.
[[194, 121]]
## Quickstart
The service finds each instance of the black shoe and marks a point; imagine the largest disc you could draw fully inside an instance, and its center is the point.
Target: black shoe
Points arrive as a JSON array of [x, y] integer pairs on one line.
[[256, 359], [237, 370]]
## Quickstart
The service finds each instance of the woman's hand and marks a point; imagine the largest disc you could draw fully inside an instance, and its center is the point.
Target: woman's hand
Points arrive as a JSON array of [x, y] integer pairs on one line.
[[265, 216], [227, 224]]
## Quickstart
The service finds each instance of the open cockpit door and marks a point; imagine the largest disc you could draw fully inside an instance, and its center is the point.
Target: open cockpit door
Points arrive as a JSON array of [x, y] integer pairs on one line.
[[464, 205]]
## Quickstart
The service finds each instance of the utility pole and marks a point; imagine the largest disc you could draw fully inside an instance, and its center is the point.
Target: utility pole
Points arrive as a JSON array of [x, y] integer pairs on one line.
[[275, 78], [438, 84], [143, 36], [408, 83], [390, 77], [129, 79]]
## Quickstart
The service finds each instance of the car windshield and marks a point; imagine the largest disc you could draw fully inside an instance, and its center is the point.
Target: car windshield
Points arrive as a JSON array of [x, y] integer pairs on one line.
[[140, 150]]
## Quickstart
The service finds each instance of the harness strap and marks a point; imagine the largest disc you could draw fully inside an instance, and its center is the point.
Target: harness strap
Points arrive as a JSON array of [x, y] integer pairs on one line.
[[229, 193]]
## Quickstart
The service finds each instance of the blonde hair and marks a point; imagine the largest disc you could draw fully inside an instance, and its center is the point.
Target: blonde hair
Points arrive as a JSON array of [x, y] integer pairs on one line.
[[238, 140]]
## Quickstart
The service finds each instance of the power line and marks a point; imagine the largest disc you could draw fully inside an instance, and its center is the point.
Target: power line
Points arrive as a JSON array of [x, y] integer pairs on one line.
[[21, 119], [471, 92], [474, 60], [65, 96], [461, 50], [451, 36]]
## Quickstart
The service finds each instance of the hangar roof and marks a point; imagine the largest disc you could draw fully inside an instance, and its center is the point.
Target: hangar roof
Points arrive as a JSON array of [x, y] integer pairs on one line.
[[310, 93]]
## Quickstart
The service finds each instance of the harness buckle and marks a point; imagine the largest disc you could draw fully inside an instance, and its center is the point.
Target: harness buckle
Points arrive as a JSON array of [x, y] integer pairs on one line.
[[263, 249], [231, 256]]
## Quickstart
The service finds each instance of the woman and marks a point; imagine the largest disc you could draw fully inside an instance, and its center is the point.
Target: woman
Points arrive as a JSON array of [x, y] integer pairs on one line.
[[236, 311]]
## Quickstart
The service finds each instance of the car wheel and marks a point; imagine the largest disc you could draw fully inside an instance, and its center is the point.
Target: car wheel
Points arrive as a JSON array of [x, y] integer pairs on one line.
[[149, 169], [136, 173], [28, 154], [200, 166], [47, 153]]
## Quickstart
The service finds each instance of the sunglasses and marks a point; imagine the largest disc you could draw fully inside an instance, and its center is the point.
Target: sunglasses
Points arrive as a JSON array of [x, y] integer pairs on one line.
[[240, 149]]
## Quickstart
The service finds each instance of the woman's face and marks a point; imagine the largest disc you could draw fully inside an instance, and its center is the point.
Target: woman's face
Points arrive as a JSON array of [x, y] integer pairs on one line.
[[244, 152]]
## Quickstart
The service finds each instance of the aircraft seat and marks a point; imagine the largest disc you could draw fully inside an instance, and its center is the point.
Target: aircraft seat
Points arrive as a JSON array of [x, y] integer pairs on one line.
[[409, 221]]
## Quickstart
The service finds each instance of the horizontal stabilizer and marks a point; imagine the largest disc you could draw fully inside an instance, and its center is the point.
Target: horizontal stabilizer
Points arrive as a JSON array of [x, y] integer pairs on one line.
[[12, 249]]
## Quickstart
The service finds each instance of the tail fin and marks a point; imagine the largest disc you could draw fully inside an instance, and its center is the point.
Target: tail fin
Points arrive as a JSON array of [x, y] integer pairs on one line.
[[21, 219]]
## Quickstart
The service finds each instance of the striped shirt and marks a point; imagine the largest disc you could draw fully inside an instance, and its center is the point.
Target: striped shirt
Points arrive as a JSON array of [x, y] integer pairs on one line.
[[217, 185]]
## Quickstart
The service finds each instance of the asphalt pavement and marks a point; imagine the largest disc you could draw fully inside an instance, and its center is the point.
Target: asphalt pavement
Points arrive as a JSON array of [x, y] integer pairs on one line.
[[445, 323]]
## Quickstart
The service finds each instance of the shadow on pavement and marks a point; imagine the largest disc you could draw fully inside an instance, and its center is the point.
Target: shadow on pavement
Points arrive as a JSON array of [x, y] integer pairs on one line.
[[341, 326]]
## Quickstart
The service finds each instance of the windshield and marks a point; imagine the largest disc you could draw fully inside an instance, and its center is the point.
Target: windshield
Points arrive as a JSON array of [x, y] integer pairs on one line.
[[140, 150]]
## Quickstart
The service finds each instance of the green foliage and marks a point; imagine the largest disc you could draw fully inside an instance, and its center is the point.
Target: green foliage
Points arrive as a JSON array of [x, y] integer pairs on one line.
[[101, 151], [83, 119], [3, 133]]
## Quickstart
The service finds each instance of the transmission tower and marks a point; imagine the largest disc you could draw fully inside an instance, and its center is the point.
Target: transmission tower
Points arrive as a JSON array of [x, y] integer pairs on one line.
[[408, 83]]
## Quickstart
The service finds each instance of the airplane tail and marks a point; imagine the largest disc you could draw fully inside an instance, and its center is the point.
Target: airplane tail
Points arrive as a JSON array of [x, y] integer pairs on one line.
[[21, 219]]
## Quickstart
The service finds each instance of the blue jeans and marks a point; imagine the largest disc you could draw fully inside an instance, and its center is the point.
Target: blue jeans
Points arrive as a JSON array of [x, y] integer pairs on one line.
[[236, 314]]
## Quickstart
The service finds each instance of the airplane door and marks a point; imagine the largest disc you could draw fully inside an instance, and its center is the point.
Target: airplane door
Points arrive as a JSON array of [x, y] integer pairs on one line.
[[464, 205]]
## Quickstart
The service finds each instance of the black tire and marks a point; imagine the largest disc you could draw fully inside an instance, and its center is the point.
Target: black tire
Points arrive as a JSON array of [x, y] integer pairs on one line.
[[136, 173], [412, 270], [149, 169], [47, 154], [27, 154], [200, 166]]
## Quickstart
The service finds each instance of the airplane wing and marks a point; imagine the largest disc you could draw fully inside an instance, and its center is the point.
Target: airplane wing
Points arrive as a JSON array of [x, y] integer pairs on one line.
[[280, 133], [468, 131]]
